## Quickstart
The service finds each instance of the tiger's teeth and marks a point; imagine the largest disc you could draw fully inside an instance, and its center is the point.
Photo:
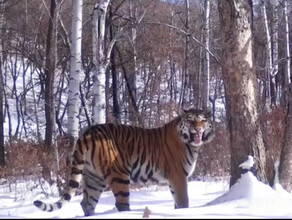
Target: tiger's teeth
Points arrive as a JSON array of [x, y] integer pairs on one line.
[[198, 137]]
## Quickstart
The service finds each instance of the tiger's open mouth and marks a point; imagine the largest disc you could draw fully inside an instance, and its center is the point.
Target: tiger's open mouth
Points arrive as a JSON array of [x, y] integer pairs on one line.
[[197, 137]]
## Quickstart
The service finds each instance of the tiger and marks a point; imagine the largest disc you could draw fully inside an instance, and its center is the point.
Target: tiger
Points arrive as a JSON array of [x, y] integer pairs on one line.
[[115, 155]]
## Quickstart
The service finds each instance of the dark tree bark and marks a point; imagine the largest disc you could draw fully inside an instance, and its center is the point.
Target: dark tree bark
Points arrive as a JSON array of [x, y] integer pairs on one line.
[[49, 77], [241, 87], [285, 171], [116, 106]]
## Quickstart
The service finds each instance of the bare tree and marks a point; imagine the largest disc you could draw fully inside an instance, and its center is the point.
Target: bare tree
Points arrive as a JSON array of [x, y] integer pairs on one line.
[[287, 77], [116, 105], [2, 149], [100, 60], [185, 76], [75, 70], [241, 87], [49, 76], [275, 48], [285, 172], [206, 59]]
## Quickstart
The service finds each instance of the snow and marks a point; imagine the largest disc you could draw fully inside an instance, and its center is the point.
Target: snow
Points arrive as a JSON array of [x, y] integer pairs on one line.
[[248, 198], [248, 164]]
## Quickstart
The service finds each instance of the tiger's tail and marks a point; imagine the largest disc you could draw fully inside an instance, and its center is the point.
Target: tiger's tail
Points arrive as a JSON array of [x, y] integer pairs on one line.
[[74, 182]]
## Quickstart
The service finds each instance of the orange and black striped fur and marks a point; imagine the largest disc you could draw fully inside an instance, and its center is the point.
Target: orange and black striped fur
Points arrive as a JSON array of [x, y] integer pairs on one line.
[[112, 155]]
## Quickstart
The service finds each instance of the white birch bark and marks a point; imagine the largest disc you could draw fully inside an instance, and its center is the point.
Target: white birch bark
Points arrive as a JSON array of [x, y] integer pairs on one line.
[[100, 60], [288, 76], [206, 69], [268, 51], [75, 69], [275, 27]]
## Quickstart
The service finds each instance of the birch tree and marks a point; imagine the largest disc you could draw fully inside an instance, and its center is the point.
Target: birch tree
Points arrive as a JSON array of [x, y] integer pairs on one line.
[[269, 65], [275, 69], [288, 65], [287, 77], [75, 70], [272, 50], [100, 60], [206, 59], [241, 87]]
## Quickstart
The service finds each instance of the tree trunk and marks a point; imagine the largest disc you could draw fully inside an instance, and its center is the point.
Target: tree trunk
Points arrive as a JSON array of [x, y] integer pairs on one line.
[[275, 27], [35, 107], [116, 105], [50, 113], [75, 71], [49, 77], [2, 148], [285, 171], [241, 87], [185, 72], [206, 60], [287, 77], [132, 76], [269, 54], [100, 61], [132, 98]]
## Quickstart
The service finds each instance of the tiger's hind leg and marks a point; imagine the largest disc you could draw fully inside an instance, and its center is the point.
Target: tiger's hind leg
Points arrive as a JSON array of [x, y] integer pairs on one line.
[[179, 190], [91, 193], [120, 187]]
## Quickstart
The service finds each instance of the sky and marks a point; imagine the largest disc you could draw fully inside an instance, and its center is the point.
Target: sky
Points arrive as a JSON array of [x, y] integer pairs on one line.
[[247, 198]]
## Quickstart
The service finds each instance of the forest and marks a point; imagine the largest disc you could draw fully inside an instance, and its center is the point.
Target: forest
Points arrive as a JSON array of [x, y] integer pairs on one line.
[[65, 65]]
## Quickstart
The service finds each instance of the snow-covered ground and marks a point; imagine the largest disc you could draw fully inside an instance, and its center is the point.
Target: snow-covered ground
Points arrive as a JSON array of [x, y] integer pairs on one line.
[[248, 198]]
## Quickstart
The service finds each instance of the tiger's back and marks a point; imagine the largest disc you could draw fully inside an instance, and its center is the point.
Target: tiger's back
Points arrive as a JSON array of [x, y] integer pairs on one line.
[[112, 155]]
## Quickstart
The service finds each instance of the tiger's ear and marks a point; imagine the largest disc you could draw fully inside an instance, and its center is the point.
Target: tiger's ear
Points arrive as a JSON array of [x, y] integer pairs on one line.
[[182, 111], [208, 113]]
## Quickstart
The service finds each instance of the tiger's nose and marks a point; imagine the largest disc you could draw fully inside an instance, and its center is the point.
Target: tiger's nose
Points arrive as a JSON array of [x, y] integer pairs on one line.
[[199, 128]]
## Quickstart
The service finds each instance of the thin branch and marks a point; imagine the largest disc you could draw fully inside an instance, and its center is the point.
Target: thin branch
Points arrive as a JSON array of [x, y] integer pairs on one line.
[[186, 33]]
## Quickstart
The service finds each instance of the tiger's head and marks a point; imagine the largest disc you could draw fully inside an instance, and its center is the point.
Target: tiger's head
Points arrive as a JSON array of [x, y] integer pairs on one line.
[[196, 127]]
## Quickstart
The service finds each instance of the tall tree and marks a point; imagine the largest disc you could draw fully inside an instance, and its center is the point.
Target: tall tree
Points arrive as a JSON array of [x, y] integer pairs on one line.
[[206, 59], [285, 172], [50, 75], [116, 105], [269, 55], [100, 60], [185, 74], [75, 70], [288, 74], [2, 149], [275, 48], [241, 86]]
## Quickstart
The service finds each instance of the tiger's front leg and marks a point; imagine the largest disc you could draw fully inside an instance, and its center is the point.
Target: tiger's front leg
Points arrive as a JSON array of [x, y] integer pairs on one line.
[[179, 190]]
